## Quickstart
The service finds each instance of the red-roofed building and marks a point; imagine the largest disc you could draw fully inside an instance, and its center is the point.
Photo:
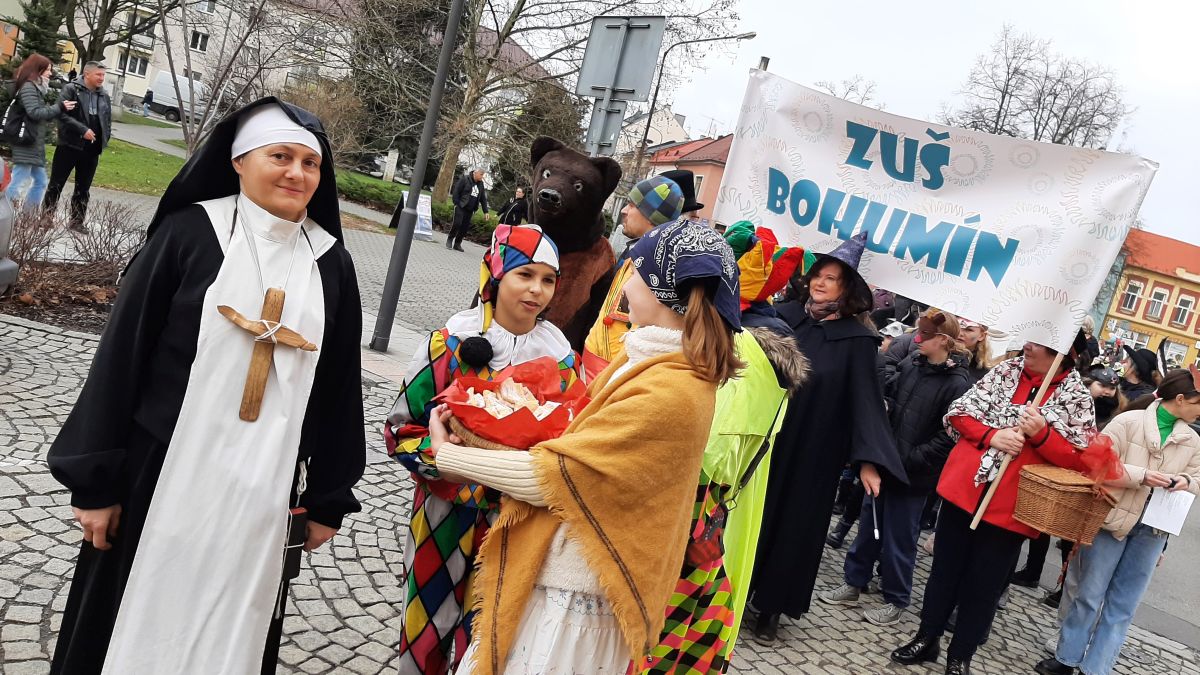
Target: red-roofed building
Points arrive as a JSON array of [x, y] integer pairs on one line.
[[1158, 296]]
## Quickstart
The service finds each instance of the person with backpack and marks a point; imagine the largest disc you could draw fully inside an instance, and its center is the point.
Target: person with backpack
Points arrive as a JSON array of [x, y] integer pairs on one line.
[[24, 130]]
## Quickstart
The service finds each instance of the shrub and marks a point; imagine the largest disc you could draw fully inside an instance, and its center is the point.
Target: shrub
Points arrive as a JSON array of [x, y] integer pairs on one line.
[[369, 191]]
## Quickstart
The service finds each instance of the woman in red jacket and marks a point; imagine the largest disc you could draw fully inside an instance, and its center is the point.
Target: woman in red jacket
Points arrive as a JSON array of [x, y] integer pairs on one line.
[[993, 419]]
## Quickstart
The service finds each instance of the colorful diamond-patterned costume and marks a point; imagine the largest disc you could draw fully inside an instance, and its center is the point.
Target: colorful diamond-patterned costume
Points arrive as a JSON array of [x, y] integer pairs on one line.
[[449, 520]]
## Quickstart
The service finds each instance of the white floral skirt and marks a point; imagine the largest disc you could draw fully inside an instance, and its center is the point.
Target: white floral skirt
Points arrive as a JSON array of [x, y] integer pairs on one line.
[[563, 633]]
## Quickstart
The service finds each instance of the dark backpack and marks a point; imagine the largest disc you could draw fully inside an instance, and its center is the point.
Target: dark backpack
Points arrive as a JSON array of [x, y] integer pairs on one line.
[[14, 126]]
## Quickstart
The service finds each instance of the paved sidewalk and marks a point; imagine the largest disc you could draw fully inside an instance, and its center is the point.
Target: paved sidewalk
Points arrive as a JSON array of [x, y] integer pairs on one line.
[[344, 608]]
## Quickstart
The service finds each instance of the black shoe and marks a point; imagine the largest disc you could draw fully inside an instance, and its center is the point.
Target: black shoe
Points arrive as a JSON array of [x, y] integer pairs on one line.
[[458, 246], [958, 666], [838, 508], [1053, 666], [1026, 578], [837, 536], [1053, 599], [449, 243], [921, 649], [766, 629]]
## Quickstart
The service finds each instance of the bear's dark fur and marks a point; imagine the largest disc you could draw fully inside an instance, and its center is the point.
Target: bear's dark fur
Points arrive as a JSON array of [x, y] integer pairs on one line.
[[568, 195]]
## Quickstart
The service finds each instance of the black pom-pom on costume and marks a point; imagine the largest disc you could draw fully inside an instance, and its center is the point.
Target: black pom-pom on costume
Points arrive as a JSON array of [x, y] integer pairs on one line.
[[476, 351]]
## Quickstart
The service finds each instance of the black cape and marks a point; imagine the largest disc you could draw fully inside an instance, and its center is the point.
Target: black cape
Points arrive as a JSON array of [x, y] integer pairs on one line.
[[837, 417], [114, 442]]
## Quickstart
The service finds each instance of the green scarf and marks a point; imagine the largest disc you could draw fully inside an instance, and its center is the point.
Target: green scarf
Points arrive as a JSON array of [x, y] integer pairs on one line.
[[1166, 422]]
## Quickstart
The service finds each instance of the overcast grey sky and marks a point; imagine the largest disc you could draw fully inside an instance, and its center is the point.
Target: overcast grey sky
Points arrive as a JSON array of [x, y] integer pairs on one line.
[[919, 55]]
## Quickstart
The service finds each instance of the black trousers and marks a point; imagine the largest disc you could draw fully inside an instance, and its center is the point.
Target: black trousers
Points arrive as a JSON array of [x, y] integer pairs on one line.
[[83, 163], [970, 571], [462, 225]]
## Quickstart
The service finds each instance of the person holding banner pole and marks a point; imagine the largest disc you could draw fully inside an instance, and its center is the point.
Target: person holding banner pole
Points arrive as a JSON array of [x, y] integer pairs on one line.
[[998, 428], [838, 417]]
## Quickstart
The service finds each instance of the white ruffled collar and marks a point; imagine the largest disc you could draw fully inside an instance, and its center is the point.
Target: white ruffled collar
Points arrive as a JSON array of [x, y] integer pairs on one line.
[[268, 226], [508, 348], [647, 342]]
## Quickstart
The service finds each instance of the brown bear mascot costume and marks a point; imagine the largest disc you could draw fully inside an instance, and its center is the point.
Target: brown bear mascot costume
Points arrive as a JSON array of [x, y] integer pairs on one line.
[[569, 191]]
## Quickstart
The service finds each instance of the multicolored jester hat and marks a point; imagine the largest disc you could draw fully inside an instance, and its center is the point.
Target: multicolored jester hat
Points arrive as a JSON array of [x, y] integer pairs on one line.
[[765, 266]]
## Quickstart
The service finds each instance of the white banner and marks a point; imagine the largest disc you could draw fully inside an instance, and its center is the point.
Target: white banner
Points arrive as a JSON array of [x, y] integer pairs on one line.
[[1013, 234]]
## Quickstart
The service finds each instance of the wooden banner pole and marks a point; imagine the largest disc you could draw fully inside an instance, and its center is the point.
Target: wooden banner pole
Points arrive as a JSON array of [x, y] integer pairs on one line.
[[1037, 402]]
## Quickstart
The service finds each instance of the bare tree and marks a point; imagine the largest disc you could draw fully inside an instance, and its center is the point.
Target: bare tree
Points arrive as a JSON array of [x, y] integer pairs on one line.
[[93, 26], [251, 48], [856, 90], [511, 45], [1023, 88]]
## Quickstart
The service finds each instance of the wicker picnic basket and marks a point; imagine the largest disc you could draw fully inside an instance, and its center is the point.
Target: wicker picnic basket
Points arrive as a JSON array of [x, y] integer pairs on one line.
[[473, 440], [1061, 502]]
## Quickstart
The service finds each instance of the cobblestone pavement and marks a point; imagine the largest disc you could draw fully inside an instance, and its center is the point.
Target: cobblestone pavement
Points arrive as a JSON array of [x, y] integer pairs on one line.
[[344, 607]]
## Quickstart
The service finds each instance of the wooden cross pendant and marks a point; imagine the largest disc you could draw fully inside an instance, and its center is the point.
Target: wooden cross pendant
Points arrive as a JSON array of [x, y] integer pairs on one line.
[[267, 332]]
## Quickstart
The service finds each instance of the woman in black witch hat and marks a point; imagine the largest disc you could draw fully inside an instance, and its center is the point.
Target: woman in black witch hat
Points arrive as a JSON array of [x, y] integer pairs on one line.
[[837, 417], [182, 461]]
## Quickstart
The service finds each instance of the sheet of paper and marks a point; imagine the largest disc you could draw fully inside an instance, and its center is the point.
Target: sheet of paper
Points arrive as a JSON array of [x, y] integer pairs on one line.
[[1167, 510]]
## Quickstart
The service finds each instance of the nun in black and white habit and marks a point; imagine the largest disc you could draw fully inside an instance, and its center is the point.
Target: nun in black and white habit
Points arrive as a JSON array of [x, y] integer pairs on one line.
[[185, 502]]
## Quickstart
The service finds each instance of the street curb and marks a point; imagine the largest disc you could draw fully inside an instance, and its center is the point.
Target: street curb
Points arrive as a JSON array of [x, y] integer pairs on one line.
[[47, 328]]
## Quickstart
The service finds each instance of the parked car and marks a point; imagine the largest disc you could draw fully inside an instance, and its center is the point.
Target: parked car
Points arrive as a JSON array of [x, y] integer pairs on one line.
[[8, 268], [167, 103]]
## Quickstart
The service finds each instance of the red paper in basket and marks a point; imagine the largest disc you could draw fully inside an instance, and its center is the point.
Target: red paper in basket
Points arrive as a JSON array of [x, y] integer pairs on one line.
[[521, 429], [1102, 462]]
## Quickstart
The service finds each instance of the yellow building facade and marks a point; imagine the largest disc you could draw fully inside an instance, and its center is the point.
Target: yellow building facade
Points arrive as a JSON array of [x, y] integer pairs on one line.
[[1158, 297]]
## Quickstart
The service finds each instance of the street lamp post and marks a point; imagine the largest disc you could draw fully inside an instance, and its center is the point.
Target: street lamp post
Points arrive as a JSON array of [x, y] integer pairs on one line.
[[637, 172]]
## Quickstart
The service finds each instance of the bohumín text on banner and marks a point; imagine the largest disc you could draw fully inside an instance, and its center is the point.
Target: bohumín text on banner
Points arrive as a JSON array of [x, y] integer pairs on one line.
[[1014, 234]]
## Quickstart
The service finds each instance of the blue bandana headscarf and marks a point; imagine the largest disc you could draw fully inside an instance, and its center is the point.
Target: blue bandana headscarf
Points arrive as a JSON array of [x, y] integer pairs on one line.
[[673, 256]]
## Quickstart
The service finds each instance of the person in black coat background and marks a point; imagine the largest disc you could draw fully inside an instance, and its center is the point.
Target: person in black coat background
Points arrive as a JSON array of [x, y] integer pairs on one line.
[[81, 140], [516, 210], [838, 417], [468, 195], [924, 386]]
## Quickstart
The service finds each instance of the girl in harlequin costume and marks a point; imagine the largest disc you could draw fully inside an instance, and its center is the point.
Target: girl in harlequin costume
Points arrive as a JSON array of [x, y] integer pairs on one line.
[[704, 614], [449, 520]]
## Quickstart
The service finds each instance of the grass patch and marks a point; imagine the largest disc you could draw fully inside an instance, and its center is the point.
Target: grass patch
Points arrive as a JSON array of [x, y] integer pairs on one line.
[[137, 119], [132, 168], [369, 190], [177, 142]]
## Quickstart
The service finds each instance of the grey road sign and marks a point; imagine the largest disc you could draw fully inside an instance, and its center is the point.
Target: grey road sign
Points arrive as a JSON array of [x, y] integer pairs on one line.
[[605, 127], [621, 54]]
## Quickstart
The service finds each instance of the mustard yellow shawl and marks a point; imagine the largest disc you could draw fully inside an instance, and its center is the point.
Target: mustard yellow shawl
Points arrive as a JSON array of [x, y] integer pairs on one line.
[[623, 479]]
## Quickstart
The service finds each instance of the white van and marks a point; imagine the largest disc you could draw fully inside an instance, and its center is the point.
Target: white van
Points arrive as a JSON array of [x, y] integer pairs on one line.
[[167, 104]]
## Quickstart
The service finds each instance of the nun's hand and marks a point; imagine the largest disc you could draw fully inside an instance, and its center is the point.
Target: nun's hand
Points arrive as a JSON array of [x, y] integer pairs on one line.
[[99, 525]]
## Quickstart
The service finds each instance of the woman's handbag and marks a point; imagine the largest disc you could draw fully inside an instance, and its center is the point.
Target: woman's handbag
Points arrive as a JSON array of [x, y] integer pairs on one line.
[[14, 126], [710, 545]]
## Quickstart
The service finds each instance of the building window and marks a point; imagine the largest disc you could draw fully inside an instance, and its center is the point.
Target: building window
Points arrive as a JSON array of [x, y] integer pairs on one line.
[[1129, 299], [199, 41], [193, 75], [1175, 354], [303, 76], [207, 6], [137, 64], [1136, 340], [698, 182], [1182, 316], [1158, 303]]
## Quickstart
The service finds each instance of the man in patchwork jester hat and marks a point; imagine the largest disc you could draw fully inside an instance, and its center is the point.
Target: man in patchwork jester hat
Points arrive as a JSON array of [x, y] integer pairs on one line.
[[518, 278], [652, 202]]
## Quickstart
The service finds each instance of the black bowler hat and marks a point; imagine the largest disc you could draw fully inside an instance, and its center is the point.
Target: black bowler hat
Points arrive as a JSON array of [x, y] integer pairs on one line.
[[686, 180]]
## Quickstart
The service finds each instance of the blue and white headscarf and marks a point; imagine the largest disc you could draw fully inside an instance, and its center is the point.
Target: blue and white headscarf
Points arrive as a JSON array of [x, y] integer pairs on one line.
[[675, 255]]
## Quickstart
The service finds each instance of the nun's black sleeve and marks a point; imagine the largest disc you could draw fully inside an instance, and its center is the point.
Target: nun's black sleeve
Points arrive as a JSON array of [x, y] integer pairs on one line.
[[89, 453], [871, 434], [333, 436]]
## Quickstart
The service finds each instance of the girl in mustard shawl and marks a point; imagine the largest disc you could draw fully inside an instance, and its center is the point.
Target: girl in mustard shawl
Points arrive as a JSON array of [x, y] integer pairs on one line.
[[577, 571]]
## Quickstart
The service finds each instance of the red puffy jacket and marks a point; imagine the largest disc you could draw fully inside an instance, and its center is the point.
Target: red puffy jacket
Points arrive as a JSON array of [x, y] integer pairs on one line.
[[957, 483]]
